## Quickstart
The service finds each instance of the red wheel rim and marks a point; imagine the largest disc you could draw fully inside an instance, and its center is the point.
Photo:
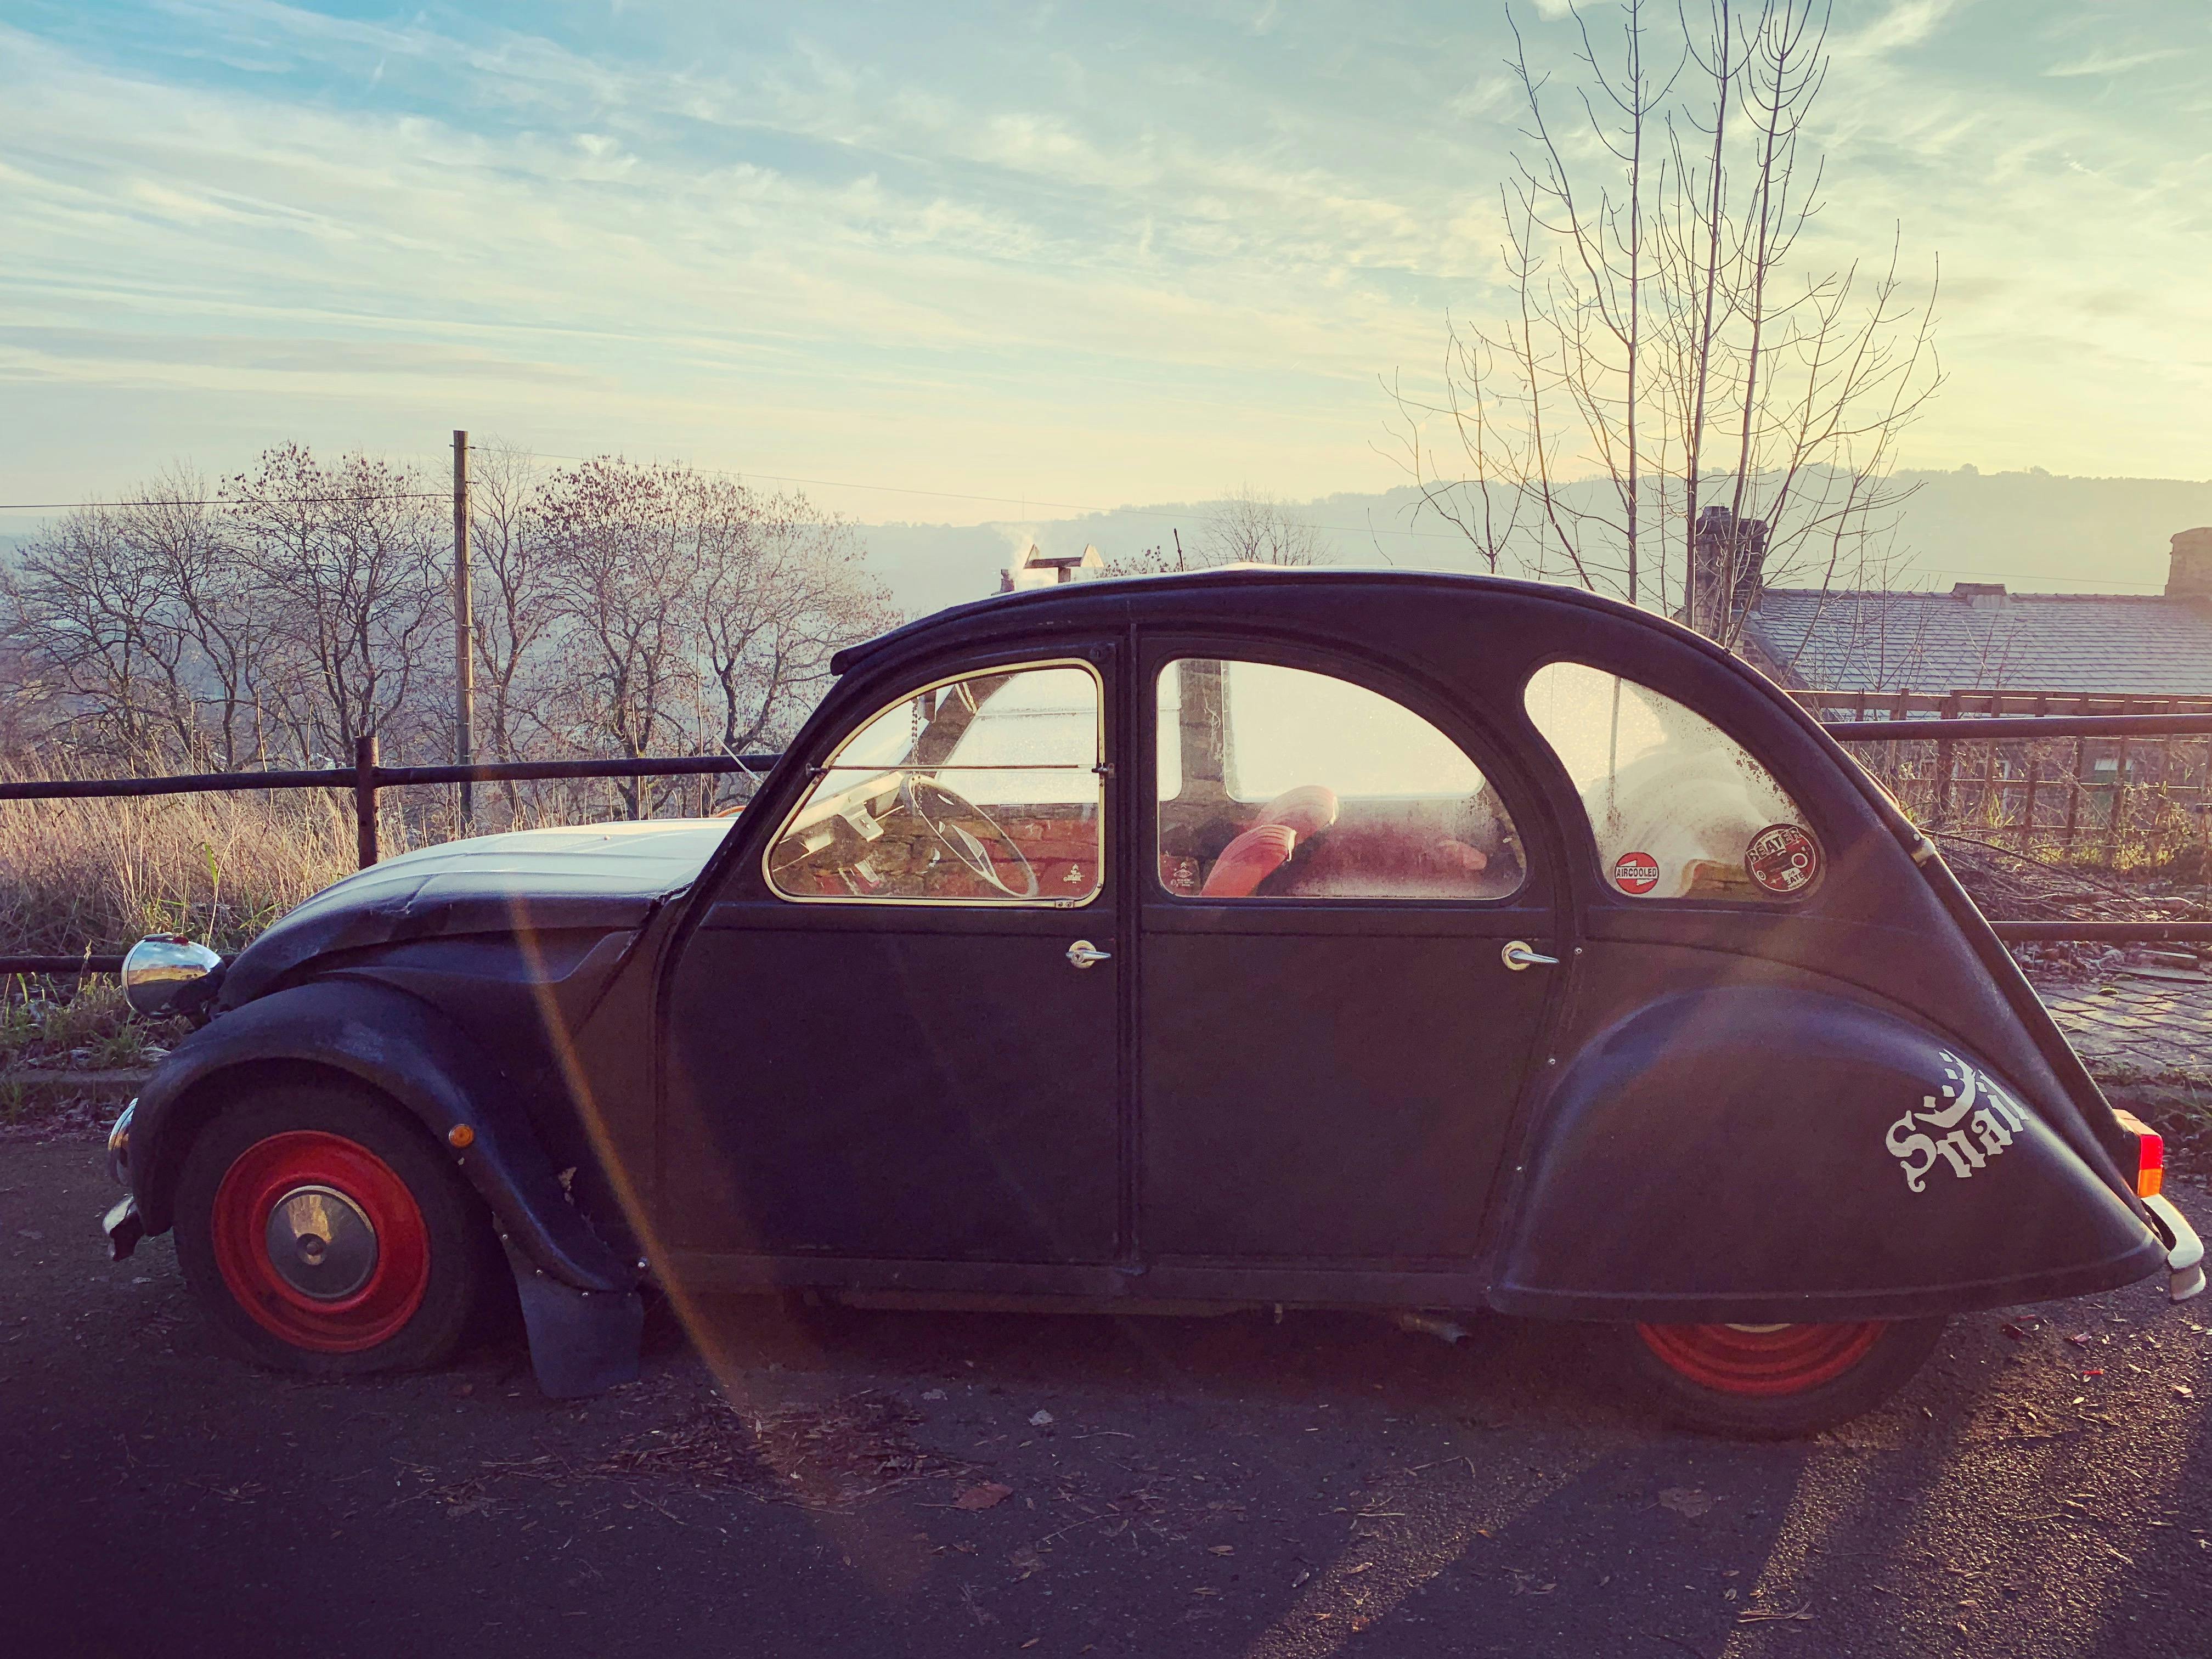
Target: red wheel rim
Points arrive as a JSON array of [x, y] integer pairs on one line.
[[1761, 1359], [270, 1172]]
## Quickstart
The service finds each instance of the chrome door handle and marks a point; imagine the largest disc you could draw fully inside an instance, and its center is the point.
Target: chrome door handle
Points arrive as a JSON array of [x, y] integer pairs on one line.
[[1084, 954], [1519, 955]]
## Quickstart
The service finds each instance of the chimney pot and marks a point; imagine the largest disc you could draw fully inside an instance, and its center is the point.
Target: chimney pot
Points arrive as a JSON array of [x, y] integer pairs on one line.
[[2190, 573]]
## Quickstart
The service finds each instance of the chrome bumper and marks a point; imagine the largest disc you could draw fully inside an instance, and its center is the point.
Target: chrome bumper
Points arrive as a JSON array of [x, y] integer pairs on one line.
[[119, 1146], [124, 1228], [121, 1222], [2184, 1256]]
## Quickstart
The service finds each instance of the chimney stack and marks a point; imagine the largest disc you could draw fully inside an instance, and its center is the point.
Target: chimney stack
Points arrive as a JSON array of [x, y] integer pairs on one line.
[[1725, 570], [2190, 575]]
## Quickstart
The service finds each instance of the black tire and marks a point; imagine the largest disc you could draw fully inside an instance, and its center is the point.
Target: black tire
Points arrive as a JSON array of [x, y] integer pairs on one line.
[[426, 1318], [1849, 1370]]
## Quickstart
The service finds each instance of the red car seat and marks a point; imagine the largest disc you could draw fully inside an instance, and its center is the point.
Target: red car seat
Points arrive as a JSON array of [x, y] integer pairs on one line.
[[1267, 846]]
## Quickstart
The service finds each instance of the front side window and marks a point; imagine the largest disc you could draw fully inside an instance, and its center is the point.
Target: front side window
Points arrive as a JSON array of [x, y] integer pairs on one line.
[[1276, 782], [984, 789], [1679, 809]]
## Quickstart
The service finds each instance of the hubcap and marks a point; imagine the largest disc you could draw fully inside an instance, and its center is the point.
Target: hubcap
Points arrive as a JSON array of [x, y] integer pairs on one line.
[[321, 1243]]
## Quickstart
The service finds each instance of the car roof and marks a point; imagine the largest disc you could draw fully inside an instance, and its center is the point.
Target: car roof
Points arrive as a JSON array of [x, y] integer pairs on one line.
[[1148, 596]]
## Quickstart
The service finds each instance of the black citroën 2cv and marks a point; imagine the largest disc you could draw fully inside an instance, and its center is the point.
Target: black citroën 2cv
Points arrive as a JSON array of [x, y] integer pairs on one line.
[[1321, 939]]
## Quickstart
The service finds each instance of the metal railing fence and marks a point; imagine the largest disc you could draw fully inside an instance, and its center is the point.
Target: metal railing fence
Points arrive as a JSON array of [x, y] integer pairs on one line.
[[2119, 782], [365, 780], [1918, 733]]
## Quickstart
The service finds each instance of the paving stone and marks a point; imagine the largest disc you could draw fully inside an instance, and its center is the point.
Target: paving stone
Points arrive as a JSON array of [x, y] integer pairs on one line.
[[2154, 1025]]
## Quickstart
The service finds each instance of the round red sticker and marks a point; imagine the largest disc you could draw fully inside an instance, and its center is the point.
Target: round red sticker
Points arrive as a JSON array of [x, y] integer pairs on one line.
[[1783, 859], [1636, 872]]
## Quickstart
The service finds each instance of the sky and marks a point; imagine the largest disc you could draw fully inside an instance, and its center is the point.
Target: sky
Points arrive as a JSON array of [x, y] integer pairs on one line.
[[953, 263]]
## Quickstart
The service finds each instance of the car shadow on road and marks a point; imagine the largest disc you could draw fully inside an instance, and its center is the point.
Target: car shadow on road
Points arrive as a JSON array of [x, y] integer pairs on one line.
[[1529, 1373]]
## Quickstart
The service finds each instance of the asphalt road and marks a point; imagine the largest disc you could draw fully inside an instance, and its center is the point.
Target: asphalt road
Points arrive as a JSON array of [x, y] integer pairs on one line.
[[890, 1484]]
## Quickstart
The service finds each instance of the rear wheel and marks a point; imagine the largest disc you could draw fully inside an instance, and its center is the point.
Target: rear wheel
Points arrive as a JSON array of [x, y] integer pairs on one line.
[[323, 1232], [1776, 1382]]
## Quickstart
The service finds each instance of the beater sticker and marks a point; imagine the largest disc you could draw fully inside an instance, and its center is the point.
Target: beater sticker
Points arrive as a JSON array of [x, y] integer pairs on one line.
[[1783, 859], [1636, 872]]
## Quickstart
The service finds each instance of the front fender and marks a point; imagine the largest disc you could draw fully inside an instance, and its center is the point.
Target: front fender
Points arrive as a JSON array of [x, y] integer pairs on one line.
[[1755, 1153], [409, 1051]]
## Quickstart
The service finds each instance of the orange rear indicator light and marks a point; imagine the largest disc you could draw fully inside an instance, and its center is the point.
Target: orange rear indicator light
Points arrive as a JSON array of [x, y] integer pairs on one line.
[[2150, 1163], [2150, 1155]]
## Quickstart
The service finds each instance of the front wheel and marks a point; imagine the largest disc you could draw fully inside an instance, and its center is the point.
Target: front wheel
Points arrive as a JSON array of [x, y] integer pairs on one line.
[[1776, 1382], [322, 1230]]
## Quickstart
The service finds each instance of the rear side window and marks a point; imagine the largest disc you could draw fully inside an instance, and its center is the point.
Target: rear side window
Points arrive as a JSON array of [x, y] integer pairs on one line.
[[1679, 810], [1280, 783]]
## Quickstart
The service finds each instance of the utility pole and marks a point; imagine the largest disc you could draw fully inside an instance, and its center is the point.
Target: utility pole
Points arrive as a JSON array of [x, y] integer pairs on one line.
[[465, 628]]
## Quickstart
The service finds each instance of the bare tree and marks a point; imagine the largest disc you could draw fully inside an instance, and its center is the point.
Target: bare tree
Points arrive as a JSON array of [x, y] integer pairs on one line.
[[214, 607], [96, 628], [349, 556], [627, 608], [1666, 351], [516, 605], [783, 589], [1250, 527], [692, 613], [623, 561]]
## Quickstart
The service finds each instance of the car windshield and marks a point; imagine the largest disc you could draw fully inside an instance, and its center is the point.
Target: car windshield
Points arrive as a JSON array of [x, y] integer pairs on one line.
[[999, 737], [984, 788]]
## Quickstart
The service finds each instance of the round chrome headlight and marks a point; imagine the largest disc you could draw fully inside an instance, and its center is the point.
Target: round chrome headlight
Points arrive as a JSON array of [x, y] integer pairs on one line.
[[154, 971]]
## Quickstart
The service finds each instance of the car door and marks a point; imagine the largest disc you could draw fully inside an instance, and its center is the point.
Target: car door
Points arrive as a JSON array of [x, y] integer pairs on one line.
[[879, 1045], [1333, 1030]]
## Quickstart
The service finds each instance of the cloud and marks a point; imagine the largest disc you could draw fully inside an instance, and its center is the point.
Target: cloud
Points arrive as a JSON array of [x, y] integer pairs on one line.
[[1906, 23], [2102, 62], [1130, 252], [1491, 95]]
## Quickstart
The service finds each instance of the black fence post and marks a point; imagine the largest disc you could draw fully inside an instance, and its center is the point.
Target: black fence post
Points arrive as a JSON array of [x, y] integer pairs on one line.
[[364, 796]]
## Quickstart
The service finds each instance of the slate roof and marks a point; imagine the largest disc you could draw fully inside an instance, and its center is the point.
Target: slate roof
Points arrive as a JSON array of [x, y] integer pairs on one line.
[[1895, 641]]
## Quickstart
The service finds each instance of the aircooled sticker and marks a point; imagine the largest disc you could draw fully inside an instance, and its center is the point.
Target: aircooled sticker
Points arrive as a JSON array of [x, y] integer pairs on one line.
[[1974, 1105], [1783, 859], [1636, 872]]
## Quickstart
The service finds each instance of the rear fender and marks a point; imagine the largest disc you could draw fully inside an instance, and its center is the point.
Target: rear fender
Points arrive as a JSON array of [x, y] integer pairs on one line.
[[406, 1048], [1760, 1154]]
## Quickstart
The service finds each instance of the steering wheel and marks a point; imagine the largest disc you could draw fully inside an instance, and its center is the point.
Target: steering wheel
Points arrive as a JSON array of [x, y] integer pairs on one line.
[[943, 809]]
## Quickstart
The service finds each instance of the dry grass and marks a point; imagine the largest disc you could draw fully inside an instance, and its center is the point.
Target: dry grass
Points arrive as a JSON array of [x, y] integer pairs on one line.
[[79, 875], [93, 875], [90, 877]]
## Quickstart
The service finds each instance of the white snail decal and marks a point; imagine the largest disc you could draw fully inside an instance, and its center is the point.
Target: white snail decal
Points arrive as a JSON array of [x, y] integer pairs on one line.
[[1972, 1101]]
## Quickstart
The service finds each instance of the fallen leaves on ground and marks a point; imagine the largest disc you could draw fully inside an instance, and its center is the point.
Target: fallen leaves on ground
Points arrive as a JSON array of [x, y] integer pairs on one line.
[[986, 1495], [833, 1457]]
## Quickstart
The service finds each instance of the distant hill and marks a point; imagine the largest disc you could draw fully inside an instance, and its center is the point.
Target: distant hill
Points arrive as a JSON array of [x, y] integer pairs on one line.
[[2033, 530]]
